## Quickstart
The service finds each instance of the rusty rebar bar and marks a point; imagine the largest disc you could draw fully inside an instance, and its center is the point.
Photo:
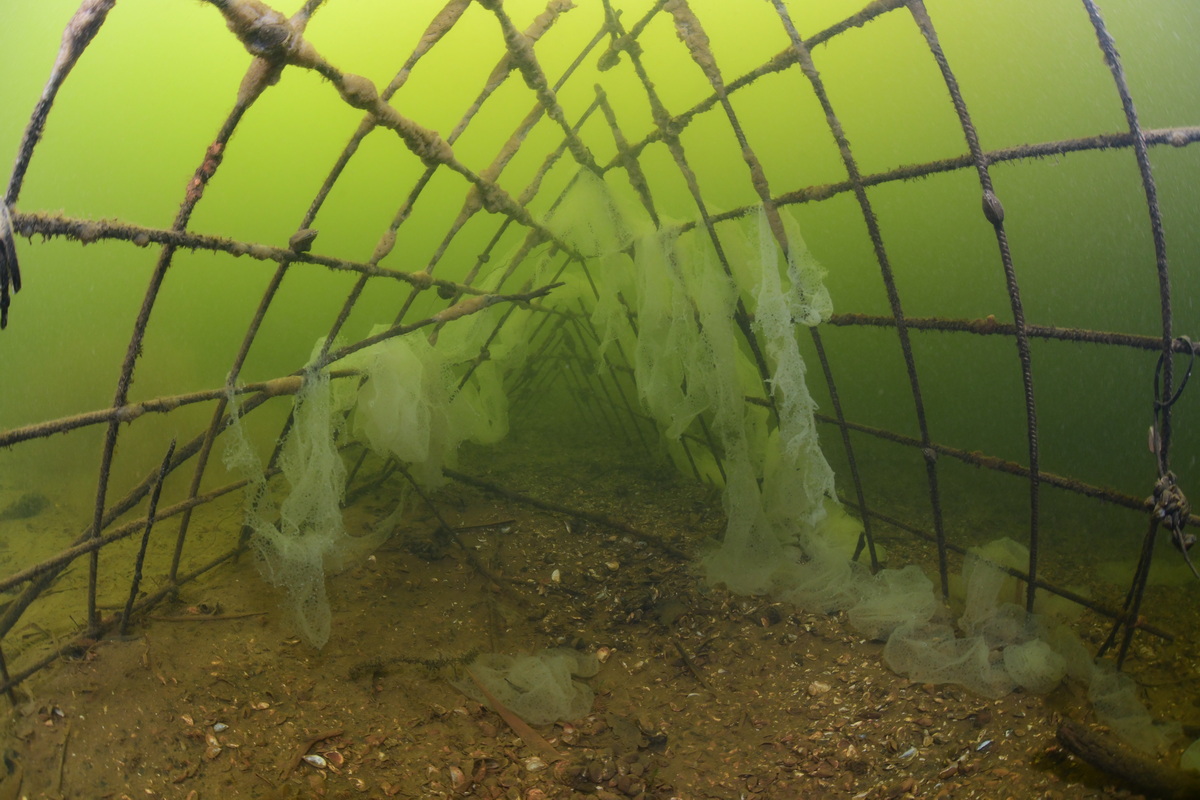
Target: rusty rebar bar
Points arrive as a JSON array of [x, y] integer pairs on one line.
[[1066, 594], [151, 510], [993, 212], [804, 60], [484, 192], [1162, 411]]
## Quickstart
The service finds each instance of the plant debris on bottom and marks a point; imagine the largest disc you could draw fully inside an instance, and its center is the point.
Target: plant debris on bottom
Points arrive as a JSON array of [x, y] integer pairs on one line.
[[700, 695]]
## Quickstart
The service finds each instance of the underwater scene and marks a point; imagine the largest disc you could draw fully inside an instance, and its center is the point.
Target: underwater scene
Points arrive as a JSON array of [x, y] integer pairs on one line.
[[652, 399]]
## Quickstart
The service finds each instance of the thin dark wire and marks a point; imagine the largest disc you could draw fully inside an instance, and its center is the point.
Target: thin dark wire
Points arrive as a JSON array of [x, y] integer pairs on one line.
[[1067, 594], [195, 191], [847, 446]]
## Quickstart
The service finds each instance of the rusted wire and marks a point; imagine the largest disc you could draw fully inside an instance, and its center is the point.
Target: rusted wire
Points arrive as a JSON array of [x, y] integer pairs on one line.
[[520, 51], [253, 83], [889, 282], [578, 513], [758, 178], [88, 231], [1163, 416], [493, 171], [160, 405], [618, 386], [586, 368], [627, 42], [1180, 136], [582, 375], [626, 159], [670, 134], [9, 692], [151, 510], [40, 576], [195, 190], [847, 447], [80, 31], [437, 28], [89, 638], [993, 211], [91, 541]]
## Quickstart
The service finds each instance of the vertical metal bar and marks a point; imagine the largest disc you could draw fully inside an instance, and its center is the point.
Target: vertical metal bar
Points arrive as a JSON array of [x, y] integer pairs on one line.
[[151, 510], [993, 211], [855, 476], [889, 282], [1162, 410]]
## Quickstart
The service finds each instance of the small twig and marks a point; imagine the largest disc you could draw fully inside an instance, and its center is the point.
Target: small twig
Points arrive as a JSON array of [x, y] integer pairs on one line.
[[452, 532], [691, 665], [599, 519], [12, 696], [1108, 755], [485, 525], [148, 661], [206, 617], [62, 758], [433, 509]]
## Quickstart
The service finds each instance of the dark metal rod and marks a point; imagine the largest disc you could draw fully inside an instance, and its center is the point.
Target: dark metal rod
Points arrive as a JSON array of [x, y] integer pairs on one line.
[[848, 447], [992, 327], [1162, 411], [151, 510], [993, 211], [804, 59]]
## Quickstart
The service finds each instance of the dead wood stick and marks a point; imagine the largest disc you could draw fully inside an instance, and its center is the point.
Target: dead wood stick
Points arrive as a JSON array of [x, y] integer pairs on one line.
[[204, 617], [1146, 774], [691, 665], [519, 726]]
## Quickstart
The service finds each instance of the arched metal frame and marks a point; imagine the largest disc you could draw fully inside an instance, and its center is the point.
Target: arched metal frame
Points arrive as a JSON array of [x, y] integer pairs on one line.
[[277, 43]]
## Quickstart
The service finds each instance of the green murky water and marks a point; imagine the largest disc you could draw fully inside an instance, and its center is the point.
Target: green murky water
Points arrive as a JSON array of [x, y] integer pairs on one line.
[[134, 119], [132, 122]]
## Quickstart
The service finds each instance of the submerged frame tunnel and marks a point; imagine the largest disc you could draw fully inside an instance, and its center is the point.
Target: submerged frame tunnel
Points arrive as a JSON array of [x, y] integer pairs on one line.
[[558, 333]]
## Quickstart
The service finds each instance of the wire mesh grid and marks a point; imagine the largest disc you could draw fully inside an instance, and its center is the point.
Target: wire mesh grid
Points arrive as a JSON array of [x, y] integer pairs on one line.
[[560, 334]]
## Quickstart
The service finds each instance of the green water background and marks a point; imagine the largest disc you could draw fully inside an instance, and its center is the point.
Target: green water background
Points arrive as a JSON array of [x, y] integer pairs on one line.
[[133, 120]]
